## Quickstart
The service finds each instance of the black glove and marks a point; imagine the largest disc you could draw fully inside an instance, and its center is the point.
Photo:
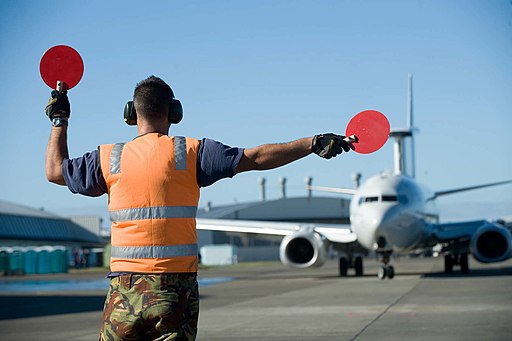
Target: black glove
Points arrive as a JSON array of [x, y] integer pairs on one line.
[[58, 105], [329, 145]]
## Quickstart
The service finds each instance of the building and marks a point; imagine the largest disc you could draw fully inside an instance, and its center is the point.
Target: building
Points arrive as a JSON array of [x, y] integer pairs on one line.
[[34, 233], [25, 226]]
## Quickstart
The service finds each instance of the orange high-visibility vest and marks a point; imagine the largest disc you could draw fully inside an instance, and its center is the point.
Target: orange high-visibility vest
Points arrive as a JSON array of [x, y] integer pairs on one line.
[[153, 196]]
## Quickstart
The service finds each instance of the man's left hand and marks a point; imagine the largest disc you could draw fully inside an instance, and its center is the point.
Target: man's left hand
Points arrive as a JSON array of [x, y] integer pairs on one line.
[[58, 105]]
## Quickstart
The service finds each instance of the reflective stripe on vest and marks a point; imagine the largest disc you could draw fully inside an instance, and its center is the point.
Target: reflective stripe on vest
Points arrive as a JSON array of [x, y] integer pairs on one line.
[[180, 152], [170, 251], [159, 212], [115, 158], [180, 155]]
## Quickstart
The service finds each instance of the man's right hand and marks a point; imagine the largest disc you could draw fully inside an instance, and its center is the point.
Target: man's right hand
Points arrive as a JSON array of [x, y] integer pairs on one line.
[[329, 145], [58, 105]]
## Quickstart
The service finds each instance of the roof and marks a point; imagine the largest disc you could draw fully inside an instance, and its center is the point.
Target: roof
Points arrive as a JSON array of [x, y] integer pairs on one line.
[[19, 222], [20, 210], [287, 209]]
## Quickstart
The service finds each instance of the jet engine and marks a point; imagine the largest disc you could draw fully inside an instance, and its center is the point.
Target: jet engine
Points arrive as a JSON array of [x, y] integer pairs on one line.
[[303, 249], [491, 243]]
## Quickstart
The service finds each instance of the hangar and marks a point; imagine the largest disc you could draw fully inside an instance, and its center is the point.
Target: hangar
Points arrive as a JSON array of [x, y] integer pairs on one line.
[[35, 241], [25, 226]]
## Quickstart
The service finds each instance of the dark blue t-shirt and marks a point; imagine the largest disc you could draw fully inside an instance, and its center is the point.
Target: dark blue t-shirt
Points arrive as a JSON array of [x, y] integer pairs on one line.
[[215, 161]]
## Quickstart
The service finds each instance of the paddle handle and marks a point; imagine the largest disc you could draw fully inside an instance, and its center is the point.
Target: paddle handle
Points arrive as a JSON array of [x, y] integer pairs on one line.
[[61, 86], [351, 139]]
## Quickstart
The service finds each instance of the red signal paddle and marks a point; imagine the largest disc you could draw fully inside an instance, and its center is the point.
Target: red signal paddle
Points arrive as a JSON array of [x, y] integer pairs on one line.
[[372, 130], [61, 67]]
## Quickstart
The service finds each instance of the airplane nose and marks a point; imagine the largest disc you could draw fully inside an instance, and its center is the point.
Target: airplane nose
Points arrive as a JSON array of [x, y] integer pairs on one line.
[[377, 218], [370, 226]]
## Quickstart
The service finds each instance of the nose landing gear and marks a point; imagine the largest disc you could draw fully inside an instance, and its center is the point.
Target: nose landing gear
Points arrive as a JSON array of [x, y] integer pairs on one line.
[[386, 270]]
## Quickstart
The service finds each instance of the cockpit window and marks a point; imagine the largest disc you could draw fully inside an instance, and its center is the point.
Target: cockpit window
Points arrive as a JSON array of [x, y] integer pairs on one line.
[[389, 198], [402, 199]]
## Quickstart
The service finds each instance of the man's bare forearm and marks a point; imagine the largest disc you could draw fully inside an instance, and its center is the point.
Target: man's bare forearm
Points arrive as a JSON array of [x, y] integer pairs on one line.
[[269, 156], [56, 152]]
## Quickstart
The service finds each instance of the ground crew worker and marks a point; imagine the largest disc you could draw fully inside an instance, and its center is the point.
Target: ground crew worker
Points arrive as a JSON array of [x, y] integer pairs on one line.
[[153, 184]]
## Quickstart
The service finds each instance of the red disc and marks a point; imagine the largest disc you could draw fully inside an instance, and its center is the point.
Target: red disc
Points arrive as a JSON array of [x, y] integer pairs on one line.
[[372, 129], [61, 63]]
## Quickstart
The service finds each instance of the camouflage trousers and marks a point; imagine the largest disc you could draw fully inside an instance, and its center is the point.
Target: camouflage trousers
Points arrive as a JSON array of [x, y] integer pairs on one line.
[[151, 307]]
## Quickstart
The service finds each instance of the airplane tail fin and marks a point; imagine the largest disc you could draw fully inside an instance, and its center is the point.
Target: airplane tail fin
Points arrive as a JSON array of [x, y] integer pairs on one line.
[[404, 158], [410, 125]]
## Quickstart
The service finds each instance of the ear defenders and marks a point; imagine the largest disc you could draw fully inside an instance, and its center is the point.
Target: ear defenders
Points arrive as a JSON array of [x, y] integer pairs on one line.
[[175, 112]]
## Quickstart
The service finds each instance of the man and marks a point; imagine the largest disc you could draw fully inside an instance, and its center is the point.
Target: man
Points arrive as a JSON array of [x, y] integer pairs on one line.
[[153, 184]]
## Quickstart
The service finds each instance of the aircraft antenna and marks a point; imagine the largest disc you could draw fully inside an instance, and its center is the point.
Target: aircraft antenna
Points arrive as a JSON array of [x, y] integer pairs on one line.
[[410, 125]]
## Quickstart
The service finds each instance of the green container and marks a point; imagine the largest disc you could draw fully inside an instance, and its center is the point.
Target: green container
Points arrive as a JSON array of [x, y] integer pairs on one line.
[[30, 263], [55, 260], [64, 261], [93, 259], [43, 261], [16, 263], [4, 262]]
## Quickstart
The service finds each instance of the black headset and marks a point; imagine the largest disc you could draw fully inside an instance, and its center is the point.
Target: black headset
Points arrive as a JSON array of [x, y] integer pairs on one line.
[[175, 112]]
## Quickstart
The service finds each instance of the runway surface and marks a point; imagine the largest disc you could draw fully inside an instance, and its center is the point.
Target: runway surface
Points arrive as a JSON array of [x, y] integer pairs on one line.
[[271, 302]]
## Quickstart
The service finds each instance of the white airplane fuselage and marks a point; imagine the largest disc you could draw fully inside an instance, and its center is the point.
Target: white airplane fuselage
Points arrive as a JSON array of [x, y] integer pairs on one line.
[[391, 212]]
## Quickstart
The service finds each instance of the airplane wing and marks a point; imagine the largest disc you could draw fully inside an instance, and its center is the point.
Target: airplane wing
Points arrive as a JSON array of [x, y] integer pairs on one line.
[[488, 241], [303, 245], [335, 233], [457, 190], [458, 230]]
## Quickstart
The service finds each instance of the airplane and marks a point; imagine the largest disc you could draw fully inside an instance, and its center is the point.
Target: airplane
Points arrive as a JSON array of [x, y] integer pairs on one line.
[[389, 213]]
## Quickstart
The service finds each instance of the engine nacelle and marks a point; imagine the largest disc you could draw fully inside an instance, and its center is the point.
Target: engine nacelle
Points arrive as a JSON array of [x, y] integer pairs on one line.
[[491, 243], [303, 249]]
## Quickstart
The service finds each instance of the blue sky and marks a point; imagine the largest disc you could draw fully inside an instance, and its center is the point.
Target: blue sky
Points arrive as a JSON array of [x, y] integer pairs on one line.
[[254, 72]]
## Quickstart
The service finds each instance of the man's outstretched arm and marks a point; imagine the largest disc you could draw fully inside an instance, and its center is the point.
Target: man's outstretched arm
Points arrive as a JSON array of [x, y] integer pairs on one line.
[[58, 111], [269, 156]]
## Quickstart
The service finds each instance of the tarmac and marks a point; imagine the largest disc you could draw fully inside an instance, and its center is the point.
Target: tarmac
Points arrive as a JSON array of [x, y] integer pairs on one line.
[[267, 301]]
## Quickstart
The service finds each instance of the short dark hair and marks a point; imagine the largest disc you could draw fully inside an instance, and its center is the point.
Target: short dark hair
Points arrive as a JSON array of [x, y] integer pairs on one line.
[[152, 97]]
